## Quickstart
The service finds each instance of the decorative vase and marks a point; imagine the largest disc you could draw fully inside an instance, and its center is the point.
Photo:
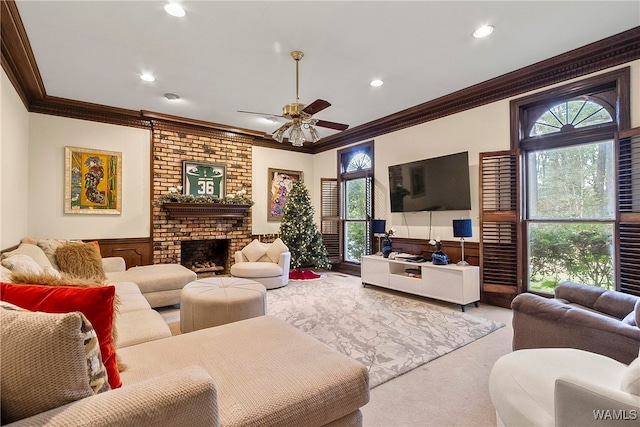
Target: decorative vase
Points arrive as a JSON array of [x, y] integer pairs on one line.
[[439, 257], [386, 247]]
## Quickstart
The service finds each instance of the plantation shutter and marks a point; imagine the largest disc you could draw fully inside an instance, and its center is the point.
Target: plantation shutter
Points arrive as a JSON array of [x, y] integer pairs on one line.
[[499, 226], [628, 272], [330, 217]]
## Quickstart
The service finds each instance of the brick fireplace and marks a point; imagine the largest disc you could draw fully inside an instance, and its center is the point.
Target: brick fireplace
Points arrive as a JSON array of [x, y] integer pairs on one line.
[[205, 257], [170, 147]]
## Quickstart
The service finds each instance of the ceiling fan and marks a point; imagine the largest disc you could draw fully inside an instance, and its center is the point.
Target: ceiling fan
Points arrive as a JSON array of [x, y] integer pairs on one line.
[[300, 116]]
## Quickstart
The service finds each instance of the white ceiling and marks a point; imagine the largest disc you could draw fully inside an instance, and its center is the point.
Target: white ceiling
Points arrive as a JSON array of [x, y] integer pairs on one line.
[[226, 56]]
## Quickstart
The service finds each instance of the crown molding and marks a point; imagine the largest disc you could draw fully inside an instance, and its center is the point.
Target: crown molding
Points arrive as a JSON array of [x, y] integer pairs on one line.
[[19, 63], [615, 50], [17, 57]]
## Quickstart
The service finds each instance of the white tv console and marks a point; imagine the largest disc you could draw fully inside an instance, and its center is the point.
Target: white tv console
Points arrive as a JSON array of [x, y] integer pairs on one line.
[[459, 285]]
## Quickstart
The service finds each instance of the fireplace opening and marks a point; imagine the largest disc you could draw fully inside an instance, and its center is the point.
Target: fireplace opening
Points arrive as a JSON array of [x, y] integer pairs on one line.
[[205, 257]]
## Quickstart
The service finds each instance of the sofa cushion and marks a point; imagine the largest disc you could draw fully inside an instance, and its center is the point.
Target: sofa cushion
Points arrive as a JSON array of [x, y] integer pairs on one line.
[[255, 269], [80, 260], [268, 372], [21, 263], [617, 304], [97, 304], [49, 247], [275, 249], [631, 378], [48, 360], [254, 250]]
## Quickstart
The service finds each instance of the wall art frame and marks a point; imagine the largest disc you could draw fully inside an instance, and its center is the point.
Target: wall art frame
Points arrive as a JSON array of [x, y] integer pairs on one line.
[[92, 181], [280, 182], [204, 179]]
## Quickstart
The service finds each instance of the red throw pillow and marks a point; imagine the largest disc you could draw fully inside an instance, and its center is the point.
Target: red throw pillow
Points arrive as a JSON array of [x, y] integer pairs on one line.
[[97, 304]]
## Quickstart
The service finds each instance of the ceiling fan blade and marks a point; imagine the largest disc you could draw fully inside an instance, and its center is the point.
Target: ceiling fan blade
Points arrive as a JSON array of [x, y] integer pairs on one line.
[[316, 106], [260, 114], [332, 125], [283, 128]]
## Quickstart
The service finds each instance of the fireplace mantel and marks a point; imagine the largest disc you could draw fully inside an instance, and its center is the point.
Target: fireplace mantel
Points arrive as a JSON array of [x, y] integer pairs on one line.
[[205, 210]]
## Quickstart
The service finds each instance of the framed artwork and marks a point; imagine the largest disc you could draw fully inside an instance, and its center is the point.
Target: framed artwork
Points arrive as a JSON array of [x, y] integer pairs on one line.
[[92, 181], [203, 179], [280, 183]]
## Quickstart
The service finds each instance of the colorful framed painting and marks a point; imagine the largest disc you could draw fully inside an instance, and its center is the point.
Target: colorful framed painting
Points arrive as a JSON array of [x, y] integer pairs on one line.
[[203, 179], [92, 181], [280, 183]]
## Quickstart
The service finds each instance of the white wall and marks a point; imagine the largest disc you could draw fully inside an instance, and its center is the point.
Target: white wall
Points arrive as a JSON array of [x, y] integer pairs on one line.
[[14, 165], [47, 139], [481, 129], [264, 158]]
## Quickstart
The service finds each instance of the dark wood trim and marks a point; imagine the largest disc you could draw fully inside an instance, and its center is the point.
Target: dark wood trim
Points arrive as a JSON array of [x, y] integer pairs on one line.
[[21, 68], [18, 60], [205, 210], [610, 52], [88, 111], [135, 251]]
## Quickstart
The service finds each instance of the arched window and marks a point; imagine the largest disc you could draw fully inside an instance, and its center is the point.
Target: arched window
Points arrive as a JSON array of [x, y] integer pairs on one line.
[[359, 161], [570, 115], [356, 201]]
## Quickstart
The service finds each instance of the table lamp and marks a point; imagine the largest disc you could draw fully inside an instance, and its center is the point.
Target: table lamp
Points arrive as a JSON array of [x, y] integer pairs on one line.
[[378, 229], [462, 229]]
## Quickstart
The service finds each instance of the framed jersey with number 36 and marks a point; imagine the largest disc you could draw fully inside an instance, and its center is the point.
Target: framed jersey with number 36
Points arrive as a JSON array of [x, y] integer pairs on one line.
[[203, 179]]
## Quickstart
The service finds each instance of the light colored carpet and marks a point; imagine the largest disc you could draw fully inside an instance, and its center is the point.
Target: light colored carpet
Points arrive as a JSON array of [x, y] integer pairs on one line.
[[390, 334]]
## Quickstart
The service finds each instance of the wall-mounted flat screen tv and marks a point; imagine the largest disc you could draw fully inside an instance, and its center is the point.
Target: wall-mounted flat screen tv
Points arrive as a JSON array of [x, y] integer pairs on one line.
[[435, 184]]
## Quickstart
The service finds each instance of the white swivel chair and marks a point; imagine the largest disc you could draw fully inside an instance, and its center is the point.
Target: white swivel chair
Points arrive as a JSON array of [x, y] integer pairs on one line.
[[266, 263], [564, 387]]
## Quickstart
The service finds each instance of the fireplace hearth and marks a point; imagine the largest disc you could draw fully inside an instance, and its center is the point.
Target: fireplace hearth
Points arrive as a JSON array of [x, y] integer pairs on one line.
[[205, 257]]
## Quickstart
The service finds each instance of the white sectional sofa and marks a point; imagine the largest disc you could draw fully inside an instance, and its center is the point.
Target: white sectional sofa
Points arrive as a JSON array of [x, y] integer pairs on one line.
[[255, 372], [160, 284]]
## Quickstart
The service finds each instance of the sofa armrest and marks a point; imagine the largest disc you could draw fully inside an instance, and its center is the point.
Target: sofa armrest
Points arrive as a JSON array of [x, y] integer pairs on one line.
[[285, 262], [239, 257], [185, 397], [114, 264], [580, 403], [540, 322]]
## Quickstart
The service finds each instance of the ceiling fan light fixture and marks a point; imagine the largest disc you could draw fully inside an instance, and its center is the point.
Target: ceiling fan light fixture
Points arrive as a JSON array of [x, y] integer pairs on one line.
[[296, 135], [315, 136], [279, 135]]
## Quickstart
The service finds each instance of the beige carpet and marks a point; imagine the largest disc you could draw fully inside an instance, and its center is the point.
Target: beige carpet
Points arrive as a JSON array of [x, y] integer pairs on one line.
[[389, 333]]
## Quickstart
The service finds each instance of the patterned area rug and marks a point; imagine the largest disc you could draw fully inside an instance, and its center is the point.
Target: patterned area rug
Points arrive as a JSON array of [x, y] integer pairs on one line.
[[388, 333]]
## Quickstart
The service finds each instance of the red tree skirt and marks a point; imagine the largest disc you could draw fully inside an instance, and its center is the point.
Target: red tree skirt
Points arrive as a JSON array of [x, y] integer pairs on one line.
[[302, 275]]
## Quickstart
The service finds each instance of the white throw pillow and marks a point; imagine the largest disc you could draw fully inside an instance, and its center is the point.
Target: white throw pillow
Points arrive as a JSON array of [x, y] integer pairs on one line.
[[276, 249], [631, 378], [21, 263], [254, 250]]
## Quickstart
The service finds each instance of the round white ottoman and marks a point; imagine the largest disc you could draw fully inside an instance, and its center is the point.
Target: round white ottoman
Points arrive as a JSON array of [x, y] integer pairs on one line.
[[218, 300]]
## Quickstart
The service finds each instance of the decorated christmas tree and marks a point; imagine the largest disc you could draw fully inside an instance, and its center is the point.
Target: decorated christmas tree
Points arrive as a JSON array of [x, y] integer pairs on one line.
[[299, 232]]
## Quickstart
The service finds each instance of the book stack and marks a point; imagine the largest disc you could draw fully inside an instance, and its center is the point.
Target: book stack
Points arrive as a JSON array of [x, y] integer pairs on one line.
[[413, 272]]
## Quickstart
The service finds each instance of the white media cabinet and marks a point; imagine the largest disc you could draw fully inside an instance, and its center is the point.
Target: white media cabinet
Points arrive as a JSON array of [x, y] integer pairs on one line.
[[451, 283]]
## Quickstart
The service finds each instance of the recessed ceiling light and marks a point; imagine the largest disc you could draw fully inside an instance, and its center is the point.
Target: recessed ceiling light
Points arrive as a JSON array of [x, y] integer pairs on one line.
[[174, 9], [171, 96], [483, 31], [376, 83], [147, 77]]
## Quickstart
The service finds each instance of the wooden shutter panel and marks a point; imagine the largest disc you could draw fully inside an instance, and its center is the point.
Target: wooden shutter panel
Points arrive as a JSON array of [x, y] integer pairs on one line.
[[330, 217], [628, 272], [500, 270]]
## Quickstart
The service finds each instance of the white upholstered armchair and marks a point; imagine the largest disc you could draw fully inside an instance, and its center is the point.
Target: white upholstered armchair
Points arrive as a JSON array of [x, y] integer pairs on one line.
[[564, 387], [266, 263]]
